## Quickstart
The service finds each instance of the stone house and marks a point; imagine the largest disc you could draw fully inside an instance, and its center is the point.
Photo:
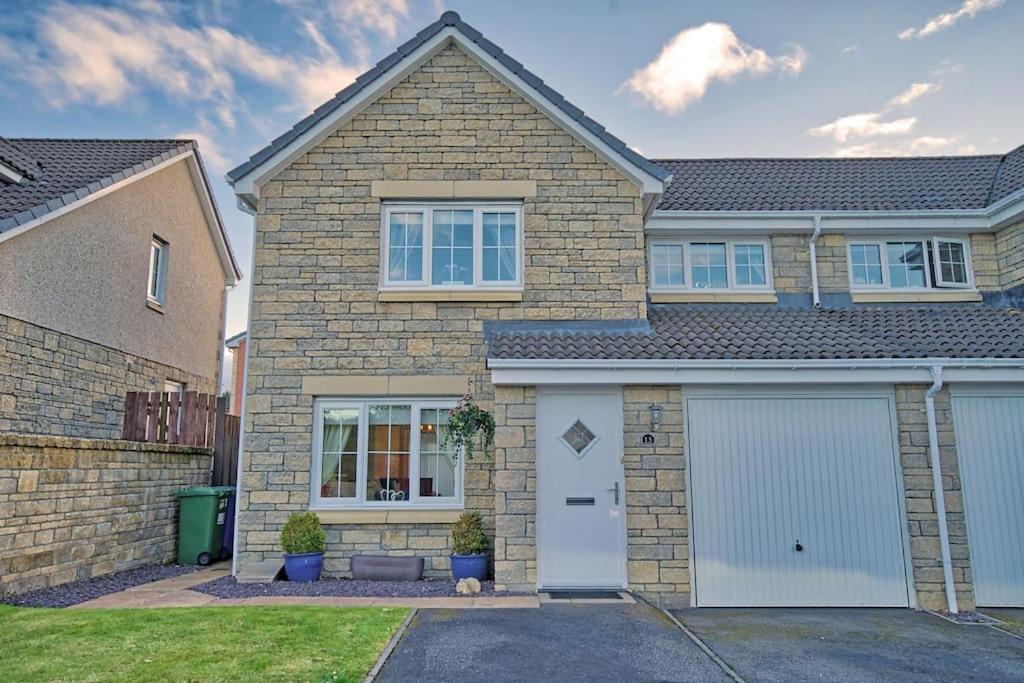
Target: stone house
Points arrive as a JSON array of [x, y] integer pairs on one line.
[[114, 267], [715, 382]]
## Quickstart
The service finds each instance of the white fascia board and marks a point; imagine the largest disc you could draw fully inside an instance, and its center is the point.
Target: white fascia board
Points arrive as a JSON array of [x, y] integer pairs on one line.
[[811, 371], [1008, 211], [743, 222], [249, 184]]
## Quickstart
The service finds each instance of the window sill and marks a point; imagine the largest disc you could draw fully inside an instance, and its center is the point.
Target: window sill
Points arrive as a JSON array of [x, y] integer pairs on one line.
[[483, 295], [366, 516], [714, 298], [153, 305], [942, 296]]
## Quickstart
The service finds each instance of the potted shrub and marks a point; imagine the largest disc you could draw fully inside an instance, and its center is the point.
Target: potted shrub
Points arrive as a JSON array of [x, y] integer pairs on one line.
[[469, 559], [303, 539]]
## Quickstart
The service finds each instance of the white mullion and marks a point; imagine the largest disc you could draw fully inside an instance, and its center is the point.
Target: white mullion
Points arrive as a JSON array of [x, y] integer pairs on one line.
[[730, 265], [688, 281], [927, 266], [362, 444], [428, 247], [414, 450], [478, 246]]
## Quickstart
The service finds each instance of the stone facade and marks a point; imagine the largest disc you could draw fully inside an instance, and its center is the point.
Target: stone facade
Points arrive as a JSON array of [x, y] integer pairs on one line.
[[515, 489], [53, 383], [1010, 255], [922, 521], [316, 309], [75, 508], [658, 535]]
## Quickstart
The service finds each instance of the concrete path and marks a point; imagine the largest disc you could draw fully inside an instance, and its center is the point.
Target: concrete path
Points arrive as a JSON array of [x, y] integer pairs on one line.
[[563, 642], [854, 645], [175, 592]]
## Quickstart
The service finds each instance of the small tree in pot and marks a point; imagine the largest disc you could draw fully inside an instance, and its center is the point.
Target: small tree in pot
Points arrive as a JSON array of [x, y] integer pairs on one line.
[[469, 559], [303, 541]]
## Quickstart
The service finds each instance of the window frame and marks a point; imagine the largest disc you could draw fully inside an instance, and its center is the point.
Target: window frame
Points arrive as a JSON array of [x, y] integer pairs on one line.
[[359, 501], [730, 256], [931, 272], [161, 249], [426, 209]]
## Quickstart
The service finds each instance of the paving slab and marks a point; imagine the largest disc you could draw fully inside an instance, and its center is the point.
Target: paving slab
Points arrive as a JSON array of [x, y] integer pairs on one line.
[[563, 642], [1012, 618], [784, 644]]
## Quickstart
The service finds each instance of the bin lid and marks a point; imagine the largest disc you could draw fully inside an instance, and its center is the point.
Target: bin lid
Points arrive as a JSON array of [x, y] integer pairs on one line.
[[203, 491]]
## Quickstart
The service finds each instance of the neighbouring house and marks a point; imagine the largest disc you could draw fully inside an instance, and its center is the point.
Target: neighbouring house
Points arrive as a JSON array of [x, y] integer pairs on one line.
[[715, 381], [236, 345], [114, 267]]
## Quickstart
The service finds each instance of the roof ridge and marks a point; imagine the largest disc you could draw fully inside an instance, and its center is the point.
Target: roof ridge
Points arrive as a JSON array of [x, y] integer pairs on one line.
[[891, 158], [178, 140]]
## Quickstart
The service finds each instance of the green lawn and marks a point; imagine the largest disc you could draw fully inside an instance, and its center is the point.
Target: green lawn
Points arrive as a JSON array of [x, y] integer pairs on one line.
[[193, 644]]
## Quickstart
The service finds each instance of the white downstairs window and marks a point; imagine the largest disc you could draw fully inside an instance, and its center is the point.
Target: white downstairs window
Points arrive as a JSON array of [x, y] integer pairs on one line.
[[910, 264], [709, 265], [452, 246], [384, 453]]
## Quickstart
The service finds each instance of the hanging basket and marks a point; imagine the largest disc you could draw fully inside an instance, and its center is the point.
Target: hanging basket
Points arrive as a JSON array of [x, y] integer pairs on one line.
[[468, 424]]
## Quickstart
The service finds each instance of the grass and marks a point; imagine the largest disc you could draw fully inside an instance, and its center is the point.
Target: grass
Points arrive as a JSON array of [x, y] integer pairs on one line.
[[193, 644]]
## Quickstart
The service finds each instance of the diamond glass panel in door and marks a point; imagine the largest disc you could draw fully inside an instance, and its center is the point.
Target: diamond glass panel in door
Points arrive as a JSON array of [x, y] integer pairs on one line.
[[750, 270], [452, 248], [579, 438], [667, 265], [387, 453], [709, 266], [866, 264], [499, 247], [952, 263], [339, 453], [438, 465], [405, 247], [906, 264]]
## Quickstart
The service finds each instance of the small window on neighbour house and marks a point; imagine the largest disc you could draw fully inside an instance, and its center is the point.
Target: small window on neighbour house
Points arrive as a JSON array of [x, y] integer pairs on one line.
[[909, 264], [685, 265], [158, 251], [384, 453], [457, 246]]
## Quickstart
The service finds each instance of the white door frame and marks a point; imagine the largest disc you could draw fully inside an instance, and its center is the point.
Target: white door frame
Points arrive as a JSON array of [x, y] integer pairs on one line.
[[814, 391], [614, 391]]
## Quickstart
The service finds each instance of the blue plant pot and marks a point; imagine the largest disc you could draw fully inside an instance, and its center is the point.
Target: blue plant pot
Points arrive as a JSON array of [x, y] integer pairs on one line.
[[469, 566], [303, 567]]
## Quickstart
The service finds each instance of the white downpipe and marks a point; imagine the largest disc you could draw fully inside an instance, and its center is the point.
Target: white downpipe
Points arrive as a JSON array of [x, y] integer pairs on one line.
[[940, 501], [814, 260]]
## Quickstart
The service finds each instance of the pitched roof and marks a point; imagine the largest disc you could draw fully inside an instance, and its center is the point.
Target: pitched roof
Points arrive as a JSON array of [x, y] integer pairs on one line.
[[752, 332], [842, 184], [453, 20], [64, 171]]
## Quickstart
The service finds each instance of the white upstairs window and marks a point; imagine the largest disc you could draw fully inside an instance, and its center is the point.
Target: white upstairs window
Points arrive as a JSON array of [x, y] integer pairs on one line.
[[910, 264], [158, 252], [709, 265]]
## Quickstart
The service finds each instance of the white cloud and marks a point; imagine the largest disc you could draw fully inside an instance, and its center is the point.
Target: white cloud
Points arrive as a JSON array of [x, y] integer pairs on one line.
[[912, 93], [945, 20], [915, 146], [855, 47], [381, 16], [213, 157], [697, 57], [864, 125]]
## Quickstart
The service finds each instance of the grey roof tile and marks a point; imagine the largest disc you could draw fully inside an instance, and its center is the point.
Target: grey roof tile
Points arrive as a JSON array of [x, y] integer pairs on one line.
[[17, 159], [447, 19], [755, 332], [1010, 178]]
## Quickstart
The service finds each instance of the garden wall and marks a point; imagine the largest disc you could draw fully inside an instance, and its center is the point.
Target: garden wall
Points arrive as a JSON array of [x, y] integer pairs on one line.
[[75, 508]]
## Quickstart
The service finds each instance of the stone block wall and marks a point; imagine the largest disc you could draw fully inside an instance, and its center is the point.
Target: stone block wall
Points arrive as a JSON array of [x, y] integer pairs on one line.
[[53, 383], [1010, 256], [922, 521], [515, 489], [658, 537], [76, 508], [791, 263]]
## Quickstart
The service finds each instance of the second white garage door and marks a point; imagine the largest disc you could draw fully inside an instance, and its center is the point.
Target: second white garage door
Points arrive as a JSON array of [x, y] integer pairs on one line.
[[795, 500]]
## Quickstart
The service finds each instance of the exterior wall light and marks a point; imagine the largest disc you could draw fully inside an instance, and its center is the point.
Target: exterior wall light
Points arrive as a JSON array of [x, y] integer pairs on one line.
[[655, 416]]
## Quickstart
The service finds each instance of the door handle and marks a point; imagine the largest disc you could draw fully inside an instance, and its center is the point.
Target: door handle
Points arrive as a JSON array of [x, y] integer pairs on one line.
[[615, 489]]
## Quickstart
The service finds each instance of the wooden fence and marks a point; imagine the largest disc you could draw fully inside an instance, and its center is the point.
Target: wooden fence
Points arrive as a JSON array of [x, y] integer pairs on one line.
[[190, 419]]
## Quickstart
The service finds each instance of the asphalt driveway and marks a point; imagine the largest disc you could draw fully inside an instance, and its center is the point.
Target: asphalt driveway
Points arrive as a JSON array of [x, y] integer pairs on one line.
[[563, 642], [854, 645]]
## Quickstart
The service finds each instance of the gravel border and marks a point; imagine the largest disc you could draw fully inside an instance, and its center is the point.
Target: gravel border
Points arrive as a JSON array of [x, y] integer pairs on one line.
[[228, 587], [77, 592]]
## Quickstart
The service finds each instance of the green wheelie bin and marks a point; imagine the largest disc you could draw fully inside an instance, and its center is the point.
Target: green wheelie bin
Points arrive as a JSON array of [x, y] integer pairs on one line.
[[201, 518]]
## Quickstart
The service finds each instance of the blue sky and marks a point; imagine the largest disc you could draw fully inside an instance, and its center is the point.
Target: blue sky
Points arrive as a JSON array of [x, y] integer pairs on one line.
[[673, 79]]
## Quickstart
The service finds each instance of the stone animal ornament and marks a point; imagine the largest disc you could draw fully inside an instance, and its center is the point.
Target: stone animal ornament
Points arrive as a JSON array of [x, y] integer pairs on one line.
[[468, 586]]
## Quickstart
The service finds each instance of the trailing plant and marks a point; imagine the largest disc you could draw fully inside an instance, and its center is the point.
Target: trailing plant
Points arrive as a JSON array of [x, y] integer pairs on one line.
[[302, 533], [466, 422], [468, 535]]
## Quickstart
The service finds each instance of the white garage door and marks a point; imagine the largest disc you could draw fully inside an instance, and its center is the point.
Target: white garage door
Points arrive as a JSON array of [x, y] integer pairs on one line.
[[990, 445], [795, 500]]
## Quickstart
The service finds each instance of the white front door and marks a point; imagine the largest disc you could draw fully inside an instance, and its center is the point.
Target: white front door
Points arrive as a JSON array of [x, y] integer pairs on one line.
[[581, 532]]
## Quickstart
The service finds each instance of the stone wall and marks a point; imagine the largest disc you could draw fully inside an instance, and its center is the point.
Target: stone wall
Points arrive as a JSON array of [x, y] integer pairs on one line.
[[922, 521], [1010, 255], [75, 508], [316, 309], [515, 489], [53, 383], [658, 537]]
